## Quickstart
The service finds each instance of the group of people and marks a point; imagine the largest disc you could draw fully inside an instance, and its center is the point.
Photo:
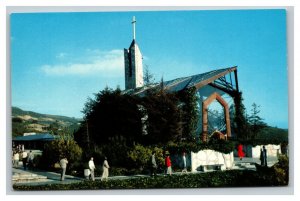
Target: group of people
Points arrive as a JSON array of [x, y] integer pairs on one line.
[[28, 162], [263, 154], [105, 168], [26, 158], [92, 167], [168, 164]]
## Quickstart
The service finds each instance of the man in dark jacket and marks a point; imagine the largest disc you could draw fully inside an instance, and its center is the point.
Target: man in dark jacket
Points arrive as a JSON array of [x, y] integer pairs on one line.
[[263, 156]]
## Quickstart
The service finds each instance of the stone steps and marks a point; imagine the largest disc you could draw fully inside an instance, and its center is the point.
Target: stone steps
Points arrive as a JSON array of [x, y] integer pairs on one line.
[[244, 165], [27, 177]]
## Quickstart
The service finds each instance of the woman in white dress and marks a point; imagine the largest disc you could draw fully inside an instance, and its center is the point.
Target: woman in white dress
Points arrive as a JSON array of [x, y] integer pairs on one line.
[[105, 170]]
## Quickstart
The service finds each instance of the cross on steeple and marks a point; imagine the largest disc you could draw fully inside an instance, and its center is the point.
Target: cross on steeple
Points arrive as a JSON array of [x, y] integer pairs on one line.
[[133, 60], [133, 25]]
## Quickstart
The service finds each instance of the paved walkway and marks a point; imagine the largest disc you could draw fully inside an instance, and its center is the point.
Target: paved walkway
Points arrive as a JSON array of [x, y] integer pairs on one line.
[[271, 160], [54, 178]]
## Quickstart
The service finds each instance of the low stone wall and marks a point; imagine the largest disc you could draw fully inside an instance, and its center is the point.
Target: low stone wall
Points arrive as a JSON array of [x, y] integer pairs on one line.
[[204, 158], [272, 150]]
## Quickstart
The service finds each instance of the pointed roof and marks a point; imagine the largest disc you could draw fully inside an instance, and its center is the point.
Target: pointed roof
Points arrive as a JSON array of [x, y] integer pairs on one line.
[[178, 84], [132, 43]]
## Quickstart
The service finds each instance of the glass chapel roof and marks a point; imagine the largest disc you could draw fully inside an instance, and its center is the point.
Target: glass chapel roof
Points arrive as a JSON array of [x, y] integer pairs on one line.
[[179, 84]]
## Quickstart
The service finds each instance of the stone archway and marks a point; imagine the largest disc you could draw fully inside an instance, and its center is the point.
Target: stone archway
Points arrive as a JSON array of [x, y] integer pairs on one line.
[[205, 104]]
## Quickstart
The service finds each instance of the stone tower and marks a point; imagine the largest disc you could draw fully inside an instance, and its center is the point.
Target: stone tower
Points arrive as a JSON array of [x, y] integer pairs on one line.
[[133, 61]]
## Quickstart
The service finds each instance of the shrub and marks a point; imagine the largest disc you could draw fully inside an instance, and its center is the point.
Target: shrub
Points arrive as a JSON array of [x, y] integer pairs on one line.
[[116, 153], [57, 149], [223, 146], [159, 155], [140, 156], [115, 171], [277, 175], [281, 170]]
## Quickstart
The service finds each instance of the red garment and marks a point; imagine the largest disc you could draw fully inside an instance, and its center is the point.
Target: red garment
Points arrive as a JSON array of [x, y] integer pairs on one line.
[[241, 153], [168, 161]]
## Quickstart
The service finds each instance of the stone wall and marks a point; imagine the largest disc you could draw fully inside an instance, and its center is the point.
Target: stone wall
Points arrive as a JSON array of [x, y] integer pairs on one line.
[[272, 150], [205, 158]]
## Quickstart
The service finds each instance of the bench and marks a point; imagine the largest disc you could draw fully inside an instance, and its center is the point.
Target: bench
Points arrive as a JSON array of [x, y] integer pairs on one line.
[[205, 168]]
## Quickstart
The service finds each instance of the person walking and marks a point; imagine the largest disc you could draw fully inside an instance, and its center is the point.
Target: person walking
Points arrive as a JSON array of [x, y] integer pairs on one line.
[[263, 156], [153, 166], [24, 159], [16, 158], [30, 160], [63, 164], [105, 168], [168, 165], [184, 170], [241, 153], [92, 168]]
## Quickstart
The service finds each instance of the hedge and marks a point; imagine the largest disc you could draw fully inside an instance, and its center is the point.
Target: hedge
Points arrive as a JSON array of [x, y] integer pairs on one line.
[[232, 178], [214, 144]]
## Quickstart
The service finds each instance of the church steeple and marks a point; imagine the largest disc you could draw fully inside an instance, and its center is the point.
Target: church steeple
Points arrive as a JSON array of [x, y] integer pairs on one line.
[[133, 26], [133, 61]]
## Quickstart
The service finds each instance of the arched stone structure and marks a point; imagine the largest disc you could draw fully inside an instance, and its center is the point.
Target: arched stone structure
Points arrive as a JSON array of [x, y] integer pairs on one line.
[[205, 104]]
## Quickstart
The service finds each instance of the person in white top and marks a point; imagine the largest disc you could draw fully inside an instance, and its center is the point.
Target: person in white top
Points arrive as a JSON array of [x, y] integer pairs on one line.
[[184, 163], [24, 159], [63, 164], [30, 160], [16, 159], [105, 170], [92, 168]]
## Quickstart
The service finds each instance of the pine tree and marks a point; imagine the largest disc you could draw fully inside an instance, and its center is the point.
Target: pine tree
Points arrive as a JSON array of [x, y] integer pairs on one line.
[[241, 126], [148, 76], [255, 121]]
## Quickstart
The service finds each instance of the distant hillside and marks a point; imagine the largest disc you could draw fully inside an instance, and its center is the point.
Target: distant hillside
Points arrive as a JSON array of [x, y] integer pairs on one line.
[[28, 121], [274, 134], [19, 112]]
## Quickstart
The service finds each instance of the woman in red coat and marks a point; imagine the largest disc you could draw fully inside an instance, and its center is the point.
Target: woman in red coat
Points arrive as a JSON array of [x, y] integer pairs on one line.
[[168, 165], [241, 153]]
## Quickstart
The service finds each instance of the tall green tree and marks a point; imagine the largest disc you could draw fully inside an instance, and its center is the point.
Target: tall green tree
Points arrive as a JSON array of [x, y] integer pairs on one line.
[[163, 123], [111, 115], [189, 112], [148, 76], [155, 118], [255, 121], [241, 125]]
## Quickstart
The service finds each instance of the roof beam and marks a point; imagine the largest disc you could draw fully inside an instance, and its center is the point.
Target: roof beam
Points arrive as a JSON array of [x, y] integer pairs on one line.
[[230, 92], [210, 80], [236, 79]]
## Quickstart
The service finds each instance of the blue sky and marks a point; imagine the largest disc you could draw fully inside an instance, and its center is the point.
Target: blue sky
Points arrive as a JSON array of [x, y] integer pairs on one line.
[[58, 60]]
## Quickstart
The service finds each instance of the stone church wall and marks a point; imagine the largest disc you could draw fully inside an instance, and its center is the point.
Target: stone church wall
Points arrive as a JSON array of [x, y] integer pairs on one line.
[[205, 158], [272, 150]]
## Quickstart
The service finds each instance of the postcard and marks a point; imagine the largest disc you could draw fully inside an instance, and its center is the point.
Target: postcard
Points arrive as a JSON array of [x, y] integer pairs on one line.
[[149, 99]]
